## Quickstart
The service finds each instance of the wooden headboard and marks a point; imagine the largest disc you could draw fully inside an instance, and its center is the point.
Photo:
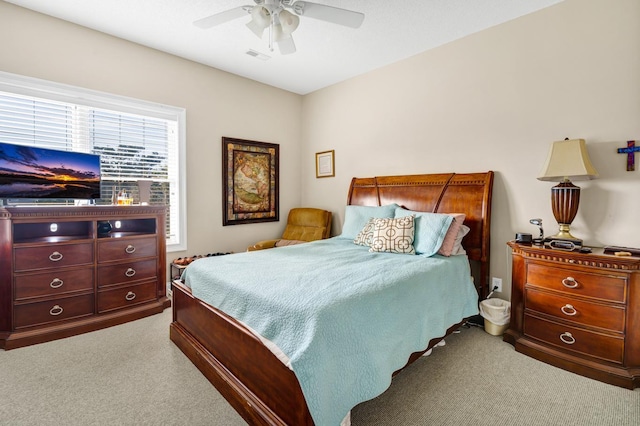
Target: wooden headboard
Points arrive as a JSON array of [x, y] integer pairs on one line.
[[468, 193]]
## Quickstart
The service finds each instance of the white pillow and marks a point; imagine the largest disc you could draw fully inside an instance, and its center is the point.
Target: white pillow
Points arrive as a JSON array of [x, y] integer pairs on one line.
[[457, 245]]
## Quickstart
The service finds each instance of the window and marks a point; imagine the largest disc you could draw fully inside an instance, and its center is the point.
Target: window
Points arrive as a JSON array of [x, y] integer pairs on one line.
[[140, 143]]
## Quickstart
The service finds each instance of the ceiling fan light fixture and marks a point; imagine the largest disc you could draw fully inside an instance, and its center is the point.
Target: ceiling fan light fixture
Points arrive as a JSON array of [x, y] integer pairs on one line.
[[288, 21], [282, 18], [260, 20]]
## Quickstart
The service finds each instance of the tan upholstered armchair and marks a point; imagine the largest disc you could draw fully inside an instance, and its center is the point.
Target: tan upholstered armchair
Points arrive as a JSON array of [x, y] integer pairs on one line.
[[303, 225]]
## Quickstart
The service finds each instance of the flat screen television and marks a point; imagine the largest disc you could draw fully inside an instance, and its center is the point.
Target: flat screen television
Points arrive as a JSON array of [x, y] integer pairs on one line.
[[31, 172]]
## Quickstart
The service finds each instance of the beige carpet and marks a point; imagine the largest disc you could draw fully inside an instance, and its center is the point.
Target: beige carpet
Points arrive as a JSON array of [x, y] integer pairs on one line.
[[133, 375]]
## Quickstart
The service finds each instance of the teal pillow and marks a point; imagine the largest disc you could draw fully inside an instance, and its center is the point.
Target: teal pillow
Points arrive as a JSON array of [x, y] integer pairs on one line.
[[430, 230], [356, 217]]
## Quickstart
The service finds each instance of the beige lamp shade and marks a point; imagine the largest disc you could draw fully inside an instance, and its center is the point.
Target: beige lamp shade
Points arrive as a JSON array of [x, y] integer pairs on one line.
[[568, 160]]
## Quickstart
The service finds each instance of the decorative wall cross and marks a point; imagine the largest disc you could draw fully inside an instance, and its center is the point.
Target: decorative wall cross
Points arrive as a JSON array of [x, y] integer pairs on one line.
[[630, 150]]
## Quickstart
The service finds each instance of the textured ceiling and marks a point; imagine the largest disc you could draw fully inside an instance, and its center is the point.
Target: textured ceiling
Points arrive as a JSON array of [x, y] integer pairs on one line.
[[326, 53]]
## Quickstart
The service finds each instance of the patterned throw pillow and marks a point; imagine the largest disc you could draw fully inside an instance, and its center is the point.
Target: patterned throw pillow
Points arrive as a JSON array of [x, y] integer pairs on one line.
[[393, 235], [365, 236]]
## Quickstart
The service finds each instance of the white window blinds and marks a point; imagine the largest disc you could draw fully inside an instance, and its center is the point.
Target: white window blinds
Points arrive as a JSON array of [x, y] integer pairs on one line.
[[30, 121], [136, 140]]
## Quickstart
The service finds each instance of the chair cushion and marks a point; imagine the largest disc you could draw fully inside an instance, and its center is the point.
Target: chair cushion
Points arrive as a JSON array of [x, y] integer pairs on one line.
[[307, 224], [282, 243]]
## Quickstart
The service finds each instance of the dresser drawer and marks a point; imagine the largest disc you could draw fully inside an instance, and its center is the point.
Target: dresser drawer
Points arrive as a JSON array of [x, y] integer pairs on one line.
[[581, 312], [55, 282], [126, 272], [52, 256], [575, 339], [122, 297], [126, 248], [601, 286], [63, 308]]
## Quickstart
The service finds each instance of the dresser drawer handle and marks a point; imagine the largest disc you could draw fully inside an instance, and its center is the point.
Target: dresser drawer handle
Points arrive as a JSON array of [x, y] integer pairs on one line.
[[130, 272], [569, 310], [56, 283], [130, 249], [130, 296], [567, 338], [56, 310], [570, 282], [55, 256]]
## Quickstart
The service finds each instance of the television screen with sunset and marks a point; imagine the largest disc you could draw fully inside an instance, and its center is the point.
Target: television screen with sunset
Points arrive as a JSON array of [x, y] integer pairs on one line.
[[30, 172]]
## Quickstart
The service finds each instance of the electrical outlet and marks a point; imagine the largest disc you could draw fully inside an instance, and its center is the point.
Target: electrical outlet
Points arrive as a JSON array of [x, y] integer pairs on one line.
[[496, 282]]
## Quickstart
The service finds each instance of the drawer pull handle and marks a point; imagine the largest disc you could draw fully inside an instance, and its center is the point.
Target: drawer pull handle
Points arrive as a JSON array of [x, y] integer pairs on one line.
[[130, 272], [130, 296], [570, 282], [56, 283], [130, 249], [56, 310], [569, 310], [567, 338], [55, 256]]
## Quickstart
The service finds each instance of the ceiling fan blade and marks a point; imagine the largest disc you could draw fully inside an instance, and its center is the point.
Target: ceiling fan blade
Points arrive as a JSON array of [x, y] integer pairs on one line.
[[335, 15], [286, 45], [222, 17]]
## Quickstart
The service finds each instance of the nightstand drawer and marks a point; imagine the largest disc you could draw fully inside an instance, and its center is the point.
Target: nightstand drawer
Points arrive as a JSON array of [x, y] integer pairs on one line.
[[578, 311], [51, 283], [594, 285], [54, 310], [574, 339], [53, 256]]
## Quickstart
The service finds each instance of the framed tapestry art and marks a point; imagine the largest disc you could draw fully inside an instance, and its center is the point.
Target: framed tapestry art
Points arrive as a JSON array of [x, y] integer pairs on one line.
[[249, 181]]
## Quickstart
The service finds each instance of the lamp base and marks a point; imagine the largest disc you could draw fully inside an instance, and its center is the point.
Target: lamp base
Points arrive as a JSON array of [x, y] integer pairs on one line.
[[564, 234]]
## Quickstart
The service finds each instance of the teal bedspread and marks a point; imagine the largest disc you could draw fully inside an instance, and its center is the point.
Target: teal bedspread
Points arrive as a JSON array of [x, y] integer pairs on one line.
[[346, 318]]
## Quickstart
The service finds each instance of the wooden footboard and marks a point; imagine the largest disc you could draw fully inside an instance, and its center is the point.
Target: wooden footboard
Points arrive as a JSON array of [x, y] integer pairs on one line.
[[248, 375], [255, 382]]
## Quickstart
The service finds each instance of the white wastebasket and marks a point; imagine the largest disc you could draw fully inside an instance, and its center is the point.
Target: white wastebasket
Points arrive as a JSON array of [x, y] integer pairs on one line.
[[496, 314]]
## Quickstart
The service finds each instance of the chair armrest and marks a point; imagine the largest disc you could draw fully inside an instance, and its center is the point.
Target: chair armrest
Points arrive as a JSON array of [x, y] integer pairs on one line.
[[267, 244]]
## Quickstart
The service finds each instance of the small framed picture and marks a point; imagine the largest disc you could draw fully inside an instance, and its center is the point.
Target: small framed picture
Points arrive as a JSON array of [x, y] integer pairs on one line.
[[325, 164]]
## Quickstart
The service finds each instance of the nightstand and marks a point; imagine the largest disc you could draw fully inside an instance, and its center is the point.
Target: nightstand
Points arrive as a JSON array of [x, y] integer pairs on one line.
[[577, 311], [176, 271]]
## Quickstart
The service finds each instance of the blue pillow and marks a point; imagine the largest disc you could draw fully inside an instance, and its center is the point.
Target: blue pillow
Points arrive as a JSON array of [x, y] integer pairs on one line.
[[430, 231], [356, 217]]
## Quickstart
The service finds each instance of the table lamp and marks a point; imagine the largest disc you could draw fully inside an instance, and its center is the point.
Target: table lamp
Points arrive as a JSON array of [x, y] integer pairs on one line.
[[568, 160]]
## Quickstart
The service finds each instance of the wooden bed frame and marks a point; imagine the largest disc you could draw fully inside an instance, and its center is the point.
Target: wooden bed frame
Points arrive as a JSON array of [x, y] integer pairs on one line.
[[247, 374]]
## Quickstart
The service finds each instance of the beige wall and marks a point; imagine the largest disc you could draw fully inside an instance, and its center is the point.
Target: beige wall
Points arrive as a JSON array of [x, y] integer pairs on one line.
[[495, 101], [217, 104], [492, 101]]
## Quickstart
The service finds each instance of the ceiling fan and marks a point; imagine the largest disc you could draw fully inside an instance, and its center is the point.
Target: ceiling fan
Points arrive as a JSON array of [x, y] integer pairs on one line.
[[281, 18]]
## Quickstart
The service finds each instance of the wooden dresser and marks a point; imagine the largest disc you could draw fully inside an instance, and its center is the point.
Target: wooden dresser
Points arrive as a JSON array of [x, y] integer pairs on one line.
[[577, 311], [59, 276]]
